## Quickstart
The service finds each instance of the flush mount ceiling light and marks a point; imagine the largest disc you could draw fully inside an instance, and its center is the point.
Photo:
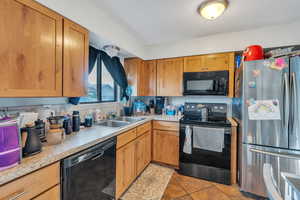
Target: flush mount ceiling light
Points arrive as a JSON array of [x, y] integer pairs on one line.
[[212, 9]]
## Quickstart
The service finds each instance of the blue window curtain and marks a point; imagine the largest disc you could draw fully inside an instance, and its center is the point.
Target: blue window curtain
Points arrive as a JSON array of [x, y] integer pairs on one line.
[[113, 66], [116, 69]]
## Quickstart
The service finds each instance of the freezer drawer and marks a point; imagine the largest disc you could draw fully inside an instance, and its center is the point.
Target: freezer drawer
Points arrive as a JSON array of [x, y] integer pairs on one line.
[[253, 159]]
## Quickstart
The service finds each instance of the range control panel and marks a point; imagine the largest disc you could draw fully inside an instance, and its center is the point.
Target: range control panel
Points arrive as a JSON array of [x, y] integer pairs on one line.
[[219, 108]]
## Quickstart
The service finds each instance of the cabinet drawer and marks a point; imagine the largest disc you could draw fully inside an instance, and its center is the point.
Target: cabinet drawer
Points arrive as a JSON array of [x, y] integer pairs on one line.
[[52, 194], [143, 128], [164, 125], [31, 185], [126, 137]]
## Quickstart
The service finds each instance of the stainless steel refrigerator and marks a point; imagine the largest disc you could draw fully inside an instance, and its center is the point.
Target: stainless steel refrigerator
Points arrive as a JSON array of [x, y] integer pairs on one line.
[[270, 136]]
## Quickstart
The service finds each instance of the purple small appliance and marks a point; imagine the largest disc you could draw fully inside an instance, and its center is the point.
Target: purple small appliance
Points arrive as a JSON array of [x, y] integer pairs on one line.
[[10, 148]]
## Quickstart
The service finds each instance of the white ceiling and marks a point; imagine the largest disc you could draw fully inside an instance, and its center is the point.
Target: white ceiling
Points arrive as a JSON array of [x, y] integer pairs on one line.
[[164, 21]]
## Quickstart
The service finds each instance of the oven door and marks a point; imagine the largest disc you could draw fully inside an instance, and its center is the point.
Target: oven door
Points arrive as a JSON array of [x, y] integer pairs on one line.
[[205, 164], [205, 83]]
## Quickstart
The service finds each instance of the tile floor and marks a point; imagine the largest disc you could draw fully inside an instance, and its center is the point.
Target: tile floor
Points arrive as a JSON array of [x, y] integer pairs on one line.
[[188, 188]]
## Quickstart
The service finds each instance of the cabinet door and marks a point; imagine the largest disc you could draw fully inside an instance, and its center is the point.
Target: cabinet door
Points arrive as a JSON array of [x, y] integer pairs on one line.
[[30, 50], [143, 152], [125, 167], [193, 64], [216, 61], [148, 148], [53, 194], [169, 77], [166, 147], [76, 48], [147, 79], [132, 67], [140, 154]]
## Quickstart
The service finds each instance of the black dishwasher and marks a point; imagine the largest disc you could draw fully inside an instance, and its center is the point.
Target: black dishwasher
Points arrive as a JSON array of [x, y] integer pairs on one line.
[[90, 174]]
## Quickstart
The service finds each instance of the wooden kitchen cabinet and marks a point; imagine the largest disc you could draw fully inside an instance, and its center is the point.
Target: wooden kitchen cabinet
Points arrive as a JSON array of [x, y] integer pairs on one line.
[[141, 76], [210, 62], [147, 83], [52, 194], [133, 155], [125, 167], [76, 54], [165, 145], [169, 77], [32, 185], [143, 152], [31, 50], [132, 68]]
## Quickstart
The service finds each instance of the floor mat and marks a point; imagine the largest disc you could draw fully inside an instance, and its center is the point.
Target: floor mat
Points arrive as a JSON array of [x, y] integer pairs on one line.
[[150, 185]]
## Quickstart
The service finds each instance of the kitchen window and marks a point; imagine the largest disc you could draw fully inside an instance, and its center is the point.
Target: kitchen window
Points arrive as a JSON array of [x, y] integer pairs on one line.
[[101, 86]]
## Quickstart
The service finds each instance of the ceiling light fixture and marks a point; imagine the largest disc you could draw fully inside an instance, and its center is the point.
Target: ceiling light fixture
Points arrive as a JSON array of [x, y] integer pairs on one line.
[[212, 9]]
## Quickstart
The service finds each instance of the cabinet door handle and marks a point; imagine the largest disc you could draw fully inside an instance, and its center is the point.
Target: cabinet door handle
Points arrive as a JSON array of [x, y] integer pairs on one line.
[[17, 196]]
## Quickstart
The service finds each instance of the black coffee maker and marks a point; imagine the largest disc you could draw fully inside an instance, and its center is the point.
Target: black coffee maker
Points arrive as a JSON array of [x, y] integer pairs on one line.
[[31, 141], [159, 105]]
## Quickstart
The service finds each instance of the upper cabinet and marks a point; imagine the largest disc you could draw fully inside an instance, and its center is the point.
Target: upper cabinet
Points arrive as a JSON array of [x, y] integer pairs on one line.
[[132, 68], [30, 50], [141, 76], [41, 54], [147, 86], [169, 77], [76, 53], [210, 62]]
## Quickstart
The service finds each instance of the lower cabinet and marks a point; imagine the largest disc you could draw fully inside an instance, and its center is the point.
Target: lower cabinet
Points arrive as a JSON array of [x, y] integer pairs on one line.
[[143, 152], [35, 185], [166, 142], [133, 156], [52, 194], [166, 147], [125, 167]]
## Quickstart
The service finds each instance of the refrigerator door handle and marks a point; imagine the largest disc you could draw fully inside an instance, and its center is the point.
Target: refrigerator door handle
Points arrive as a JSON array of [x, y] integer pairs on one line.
[[282, 155], [294, 101], [286, 97]]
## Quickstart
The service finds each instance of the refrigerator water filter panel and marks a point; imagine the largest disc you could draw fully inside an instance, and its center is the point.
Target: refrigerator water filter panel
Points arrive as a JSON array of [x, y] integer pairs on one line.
[[264, 110]]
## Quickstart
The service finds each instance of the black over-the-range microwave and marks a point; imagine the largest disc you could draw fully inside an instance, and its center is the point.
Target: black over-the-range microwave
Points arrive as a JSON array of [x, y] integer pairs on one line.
[[206, 83]]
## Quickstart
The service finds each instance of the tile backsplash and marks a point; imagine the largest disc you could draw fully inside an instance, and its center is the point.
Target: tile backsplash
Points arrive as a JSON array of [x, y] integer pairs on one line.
[[58, 105]]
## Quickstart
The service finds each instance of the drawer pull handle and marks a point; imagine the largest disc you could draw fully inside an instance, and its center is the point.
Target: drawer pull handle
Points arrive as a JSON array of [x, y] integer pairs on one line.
[[19, 195]]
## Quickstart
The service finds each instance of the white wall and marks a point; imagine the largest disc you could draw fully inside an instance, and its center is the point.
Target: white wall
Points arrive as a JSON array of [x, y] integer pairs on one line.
[[109, 29], [274, 36], [99, 21]]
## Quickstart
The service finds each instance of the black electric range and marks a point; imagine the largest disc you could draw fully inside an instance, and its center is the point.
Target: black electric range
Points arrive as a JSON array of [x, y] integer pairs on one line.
[[199, 161]]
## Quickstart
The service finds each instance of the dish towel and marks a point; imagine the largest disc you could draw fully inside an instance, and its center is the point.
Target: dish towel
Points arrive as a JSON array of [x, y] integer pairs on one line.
[[210, 139], [187, 147]]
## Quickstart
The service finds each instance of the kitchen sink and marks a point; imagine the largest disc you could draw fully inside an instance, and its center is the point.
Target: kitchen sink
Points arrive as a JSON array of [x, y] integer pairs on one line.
[[130, 119], [113, 123]]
